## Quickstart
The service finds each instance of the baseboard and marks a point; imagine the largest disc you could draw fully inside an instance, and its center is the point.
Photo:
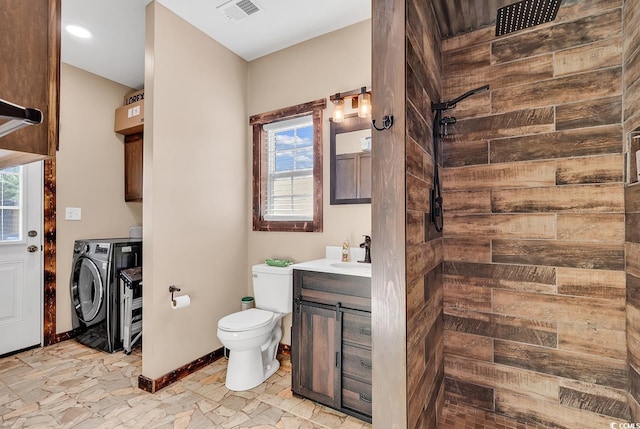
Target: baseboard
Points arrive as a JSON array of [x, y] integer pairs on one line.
[[64, 336], [152, 386]]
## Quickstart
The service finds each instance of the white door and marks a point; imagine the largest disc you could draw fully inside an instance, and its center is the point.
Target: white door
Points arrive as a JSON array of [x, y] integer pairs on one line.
[[21, 273]]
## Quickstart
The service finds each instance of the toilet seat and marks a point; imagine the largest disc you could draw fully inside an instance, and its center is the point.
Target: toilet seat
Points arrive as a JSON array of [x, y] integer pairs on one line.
[[245, 320]]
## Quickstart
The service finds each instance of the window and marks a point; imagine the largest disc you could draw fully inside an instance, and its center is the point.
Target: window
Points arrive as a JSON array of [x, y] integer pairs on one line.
[[287, 168], [10, 204]]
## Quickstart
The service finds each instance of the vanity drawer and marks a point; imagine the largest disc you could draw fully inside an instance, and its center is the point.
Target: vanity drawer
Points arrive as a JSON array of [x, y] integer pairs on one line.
[[356, 362], [335, 283], [356, 395], [356, 328]]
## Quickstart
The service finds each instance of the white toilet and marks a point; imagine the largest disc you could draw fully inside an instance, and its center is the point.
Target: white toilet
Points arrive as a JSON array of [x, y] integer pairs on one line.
[[253, 335]]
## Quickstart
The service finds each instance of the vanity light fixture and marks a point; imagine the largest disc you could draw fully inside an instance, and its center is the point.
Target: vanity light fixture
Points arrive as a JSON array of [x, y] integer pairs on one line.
[[338, 108], [360, 100]]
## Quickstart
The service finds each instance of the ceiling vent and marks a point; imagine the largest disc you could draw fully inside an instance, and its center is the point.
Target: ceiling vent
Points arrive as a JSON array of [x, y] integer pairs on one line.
[[237, 10]]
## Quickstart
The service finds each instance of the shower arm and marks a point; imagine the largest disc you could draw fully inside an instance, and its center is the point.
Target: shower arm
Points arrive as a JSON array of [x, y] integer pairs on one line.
[[444, 105]]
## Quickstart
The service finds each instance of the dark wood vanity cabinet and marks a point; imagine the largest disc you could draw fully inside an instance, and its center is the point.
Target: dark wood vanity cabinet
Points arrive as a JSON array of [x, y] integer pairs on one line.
[[331, 341]]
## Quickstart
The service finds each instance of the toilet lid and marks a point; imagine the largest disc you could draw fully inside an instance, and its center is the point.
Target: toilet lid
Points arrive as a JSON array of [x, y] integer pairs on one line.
[[245, 320]]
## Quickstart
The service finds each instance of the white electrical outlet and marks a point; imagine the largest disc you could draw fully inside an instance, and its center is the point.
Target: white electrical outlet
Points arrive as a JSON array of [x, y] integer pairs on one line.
[[73, 213]]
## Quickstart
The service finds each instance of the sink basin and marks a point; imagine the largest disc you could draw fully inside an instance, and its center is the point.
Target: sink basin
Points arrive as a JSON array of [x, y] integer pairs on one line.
[[351, 265]]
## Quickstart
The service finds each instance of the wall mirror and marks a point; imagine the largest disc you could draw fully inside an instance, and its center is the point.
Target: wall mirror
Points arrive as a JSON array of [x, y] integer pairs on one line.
[[350, 160]]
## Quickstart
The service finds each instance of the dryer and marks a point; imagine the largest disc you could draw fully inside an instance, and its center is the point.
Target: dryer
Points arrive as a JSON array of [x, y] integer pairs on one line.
[[95, 289]]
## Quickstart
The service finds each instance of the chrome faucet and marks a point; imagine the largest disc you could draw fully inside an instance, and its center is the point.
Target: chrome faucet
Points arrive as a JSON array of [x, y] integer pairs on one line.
[[367, 249]]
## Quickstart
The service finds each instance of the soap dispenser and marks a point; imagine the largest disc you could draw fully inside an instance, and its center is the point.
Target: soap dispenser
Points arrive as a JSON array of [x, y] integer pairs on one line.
[[345, 251]]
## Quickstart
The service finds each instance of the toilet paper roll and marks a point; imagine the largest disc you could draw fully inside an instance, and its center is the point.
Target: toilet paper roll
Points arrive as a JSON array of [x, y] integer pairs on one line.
[[180, 302]]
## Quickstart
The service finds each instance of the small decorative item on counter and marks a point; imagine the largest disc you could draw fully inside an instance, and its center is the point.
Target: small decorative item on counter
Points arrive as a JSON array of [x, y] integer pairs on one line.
[[278, 262], [345, 251]]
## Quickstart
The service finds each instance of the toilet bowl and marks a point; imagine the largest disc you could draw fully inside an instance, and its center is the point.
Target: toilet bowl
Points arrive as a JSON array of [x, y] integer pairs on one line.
[[253, 335]]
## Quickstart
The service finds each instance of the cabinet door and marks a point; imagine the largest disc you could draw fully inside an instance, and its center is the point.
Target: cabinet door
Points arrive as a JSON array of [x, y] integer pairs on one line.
[[316, 353], [29, 75], [133, 146]]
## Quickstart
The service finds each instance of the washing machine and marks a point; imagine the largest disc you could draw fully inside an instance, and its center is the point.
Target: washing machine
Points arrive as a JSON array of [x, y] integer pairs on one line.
[[95, 288]]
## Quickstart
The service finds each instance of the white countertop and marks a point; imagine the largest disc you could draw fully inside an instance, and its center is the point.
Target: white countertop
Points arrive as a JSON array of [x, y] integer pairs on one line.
[[334, 266]]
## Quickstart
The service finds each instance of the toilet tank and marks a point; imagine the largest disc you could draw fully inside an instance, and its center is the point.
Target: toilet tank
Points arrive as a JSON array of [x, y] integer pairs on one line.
[[273, 288]]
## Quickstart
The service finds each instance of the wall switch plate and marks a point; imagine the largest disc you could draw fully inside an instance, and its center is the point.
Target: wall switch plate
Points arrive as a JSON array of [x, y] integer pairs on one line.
[[73, 213]]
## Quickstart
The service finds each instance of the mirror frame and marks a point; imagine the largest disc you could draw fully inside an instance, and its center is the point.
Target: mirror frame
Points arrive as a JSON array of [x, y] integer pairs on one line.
[[350, 123]]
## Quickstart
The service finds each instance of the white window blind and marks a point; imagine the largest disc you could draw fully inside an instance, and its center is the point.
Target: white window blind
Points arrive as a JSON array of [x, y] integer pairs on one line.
[[11, 204], [289, 156]]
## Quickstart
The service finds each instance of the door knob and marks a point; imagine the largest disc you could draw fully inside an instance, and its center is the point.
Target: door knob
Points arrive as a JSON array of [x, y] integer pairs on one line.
[[32, 248]]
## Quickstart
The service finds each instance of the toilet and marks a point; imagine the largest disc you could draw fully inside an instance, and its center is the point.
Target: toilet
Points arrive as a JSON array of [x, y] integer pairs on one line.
[[253, 335]]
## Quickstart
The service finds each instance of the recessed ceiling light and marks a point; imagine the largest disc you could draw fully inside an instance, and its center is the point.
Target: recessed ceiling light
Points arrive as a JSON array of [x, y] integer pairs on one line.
[[78, 31]]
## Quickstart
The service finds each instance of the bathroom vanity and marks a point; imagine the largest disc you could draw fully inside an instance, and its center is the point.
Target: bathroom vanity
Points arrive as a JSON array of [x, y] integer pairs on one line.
[[331, 338]]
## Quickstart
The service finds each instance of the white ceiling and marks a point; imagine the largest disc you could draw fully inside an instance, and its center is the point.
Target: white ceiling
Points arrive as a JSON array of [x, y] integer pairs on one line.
[[116, 50]]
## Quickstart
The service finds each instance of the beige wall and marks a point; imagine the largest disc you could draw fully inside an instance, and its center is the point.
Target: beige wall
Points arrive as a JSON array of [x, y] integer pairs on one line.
[[336, 62], [195, 205], [90, 173]]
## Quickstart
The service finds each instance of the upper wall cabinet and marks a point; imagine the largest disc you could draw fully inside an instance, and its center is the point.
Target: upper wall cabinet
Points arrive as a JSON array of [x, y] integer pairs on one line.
[[30, 76]]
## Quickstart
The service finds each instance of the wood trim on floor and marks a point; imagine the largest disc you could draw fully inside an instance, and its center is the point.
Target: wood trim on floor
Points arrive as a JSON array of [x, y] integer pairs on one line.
[[49, 257], [152, 386]]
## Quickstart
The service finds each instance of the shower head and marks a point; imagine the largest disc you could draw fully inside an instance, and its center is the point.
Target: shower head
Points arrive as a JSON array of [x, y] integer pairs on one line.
[[452, 103], [525, 14]]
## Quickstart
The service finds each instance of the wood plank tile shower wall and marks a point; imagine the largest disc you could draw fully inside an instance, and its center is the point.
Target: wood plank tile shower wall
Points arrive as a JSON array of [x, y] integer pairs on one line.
[[534, 271]]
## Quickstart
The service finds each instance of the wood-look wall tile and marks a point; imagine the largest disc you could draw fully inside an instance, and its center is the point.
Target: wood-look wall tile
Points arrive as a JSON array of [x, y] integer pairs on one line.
[[560, 199], [633, 346], [477, 106], [501, 225], [632, 227], [561, 36], [418, 191], [573, 88], [634, 383], [578, 9], [465, 296], [633, 319], [631, 102], [547, 413], [634, 408], [631, 70], [566, 364], [530, 174], [594, 398], [515, 277], [466, 58], [605, 256], [590, 113], [632, 257], [469, 393], [597, 313], [633, 291], [467, 202], [422, 258], [415, 227], [607, 227], [528, 121], [632, 198], [536, 332], [532, 384], [581, 142], [581, 338], [607, 53], [468, 39], [417, 128], [467, 249], [592, 283], [593, 169], [631, 25], [468, 345], [528, 70], [465, 153], [415, 159], [415, 298]]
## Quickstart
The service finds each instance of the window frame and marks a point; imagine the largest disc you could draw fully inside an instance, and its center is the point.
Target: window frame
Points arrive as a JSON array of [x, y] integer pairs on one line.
[[260, 171]]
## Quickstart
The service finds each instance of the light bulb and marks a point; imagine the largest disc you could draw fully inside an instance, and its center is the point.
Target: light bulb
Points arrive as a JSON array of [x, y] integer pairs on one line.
[[364, 105], [338, 110]]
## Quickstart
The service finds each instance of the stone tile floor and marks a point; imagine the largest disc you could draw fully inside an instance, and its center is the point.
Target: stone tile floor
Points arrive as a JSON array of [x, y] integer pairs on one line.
[[68, 385]]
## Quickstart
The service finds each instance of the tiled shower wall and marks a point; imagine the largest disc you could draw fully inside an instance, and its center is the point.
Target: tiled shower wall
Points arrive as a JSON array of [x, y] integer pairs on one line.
[[425, 371], [631, 118], [534, 271]]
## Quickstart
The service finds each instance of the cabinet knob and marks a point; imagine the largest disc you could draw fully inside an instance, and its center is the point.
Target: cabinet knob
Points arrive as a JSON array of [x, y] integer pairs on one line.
[[365, 399]]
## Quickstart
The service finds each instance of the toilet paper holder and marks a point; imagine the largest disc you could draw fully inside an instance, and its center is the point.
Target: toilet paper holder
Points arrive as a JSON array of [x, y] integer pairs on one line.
[[173, 289]]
